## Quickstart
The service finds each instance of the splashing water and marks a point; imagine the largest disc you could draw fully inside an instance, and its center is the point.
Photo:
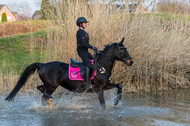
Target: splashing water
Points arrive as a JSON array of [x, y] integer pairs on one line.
[[78, 109]]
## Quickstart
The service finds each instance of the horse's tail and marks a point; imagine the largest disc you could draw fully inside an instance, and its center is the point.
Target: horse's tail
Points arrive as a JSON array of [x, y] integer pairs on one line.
[[23, 78]]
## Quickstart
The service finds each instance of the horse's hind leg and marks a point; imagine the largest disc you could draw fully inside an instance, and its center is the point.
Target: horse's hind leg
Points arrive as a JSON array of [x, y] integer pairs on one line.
[[119, 91], [47, 91], [46, 98], [41, 88]]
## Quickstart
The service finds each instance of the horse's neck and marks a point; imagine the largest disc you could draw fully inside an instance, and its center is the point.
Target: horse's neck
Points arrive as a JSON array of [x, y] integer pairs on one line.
[[107, 62]]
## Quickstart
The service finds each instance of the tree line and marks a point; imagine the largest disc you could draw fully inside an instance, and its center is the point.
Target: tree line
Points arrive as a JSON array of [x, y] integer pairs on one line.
[[171, 6]]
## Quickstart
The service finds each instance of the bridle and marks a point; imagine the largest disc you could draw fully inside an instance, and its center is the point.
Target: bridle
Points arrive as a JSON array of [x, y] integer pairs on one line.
[[97, 56], [120, 48]]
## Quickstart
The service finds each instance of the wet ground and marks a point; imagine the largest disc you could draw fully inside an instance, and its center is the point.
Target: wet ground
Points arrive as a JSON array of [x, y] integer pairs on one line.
[[166, 108]]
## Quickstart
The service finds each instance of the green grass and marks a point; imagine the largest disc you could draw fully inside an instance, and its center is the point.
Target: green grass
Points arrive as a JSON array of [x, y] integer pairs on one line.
[[169, 16], [16, 52], [157, 16]]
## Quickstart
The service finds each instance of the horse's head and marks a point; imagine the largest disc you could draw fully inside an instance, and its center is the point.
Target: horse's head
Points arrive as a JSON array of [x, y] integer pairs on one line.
[[121, 54]]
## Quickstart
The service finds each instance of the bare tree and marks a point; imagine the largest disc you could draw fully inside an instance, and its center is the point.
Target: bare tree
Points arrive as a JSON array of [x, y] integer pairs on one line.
[[24, 8], [21, 8], [13, 6]]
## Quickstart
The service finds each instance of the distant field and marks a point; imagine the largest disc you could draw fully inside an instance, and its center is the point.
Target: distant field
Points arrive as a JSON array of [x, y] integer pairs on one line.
[[18, 27]]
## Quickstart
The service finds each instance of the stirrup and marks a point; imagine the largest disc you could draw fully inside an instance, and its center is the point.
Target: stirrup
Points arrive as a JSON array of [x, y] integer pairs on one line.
[[91, 86], [102, 70]]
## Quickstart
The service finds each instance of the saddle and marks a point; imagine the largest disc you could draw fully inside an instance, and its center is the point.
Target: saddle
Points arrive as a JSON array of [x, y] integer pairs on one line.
[[75, 64], [77, 70]]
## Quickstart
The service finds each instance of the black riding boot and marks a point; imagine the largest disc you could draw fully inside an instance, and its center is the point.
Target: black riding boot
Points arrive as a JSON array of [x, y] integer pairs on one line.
[[88, 86]]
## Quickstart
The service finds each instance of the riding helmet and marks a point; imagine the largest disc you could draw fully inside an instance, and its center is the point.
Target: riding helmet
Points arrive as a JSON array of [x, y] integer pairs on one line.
[[81, 20]]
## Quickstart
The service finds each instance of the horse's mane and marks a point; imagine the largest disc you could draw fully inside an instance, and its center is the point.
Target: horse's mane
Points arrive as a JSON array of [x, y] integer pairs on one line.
[[106, 47]]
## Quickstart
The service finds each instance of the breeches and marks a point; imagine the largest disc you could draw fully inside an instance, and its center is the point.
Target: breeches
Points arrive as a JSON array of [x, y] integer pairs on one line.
[[86, 57]]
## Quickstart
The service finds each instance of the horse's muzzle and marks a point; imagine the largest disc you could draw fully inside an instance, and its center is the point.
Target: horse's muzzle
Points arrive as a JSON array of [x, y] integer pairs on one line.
[[129, 62]]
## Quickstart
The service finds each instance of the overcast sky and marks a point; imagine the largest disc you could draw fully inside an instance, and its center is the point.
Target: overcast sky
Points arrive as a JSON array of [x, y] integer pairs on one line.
[[28, 6]]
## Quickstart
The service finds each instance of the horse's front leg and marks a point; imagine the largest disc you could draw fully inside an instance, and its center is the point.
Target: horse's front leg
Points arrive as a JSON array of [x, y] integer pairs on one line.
[[119, 91], [101, 98]]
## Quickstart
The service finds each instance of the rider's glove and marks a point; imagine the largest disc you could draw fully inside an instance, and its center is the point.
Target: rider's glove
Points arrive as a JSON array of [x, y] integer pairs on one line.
[[95, 49]]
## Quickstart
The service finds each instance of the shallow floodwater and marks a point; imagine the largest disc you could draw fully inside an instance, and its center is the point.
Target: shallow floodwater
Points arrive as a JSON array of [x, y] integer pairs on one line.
[[166, 108]]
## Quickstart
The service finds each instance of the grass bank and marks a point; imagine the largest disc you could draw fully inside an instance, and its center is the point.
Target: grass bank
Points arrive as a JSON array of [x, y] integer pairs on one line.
[[20, 50], [17, 52], [19, 27]]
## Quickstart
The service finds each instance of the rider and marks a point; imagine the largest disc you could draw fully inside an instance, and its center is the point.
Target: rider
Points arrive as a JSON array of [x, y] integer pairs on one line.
[[82, 48]]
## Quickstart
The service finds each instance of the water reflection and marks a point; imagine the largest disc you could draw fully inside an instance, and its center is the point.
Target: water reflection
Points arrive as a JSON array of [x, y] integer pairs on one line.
[[157, 108]]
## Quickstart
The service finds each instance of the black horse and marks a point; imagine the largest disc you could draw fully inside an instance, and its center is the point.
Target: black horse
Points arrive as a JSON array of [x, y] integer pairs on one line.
[[53, 74]]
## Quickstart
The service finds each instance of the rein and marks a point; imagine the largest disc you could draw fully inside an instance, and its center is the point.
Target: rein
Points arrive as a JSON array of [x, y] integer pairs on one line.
[[102, 69], [104, 55]]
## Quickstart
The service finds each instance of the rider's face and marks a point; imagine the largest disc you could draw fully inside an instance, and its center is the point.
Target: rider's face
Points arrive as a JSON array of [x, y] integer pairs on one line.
[[84, 25]]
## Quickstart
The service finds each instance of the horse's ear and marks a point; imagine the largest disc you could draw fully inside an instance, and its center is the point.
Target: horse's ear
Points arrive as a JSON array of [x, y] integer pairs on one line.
[[122, 40]]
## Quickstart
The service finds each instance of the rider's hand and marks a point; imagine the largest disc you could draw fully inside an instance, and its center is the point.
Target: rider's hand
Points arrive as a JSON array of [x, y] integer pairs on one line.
[[95, 49]]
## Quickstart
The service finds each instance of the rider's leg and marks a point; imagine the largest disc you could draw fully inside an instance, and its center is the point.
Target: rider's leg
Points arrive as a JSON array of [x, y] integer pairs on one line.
[[87, 78], [87, 74], [90, 56], [86, 56]]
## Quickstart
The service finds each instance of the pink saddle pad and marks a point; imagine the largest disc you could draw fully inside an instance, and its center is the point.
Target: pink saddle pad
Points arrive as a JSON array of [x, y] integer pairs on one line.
[[74, 73]]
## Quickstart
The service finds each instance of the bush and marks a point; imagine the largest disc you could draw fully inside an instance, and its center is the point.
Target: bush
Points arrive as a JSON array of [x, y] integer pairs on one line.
[[45, 9], [4, 17]]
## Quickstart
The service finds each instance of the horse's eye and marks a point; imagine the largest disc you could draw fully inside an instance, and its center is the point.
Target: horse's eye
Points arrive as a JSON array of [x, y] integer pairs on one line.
[[123, 50]]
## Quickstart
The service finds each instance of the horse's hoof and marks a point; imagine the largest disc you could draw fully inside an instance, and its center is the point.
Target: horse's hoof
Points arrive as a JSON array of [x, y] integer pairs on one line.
[[46, 102], [50, 101], [103, 106], [117, 99]]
